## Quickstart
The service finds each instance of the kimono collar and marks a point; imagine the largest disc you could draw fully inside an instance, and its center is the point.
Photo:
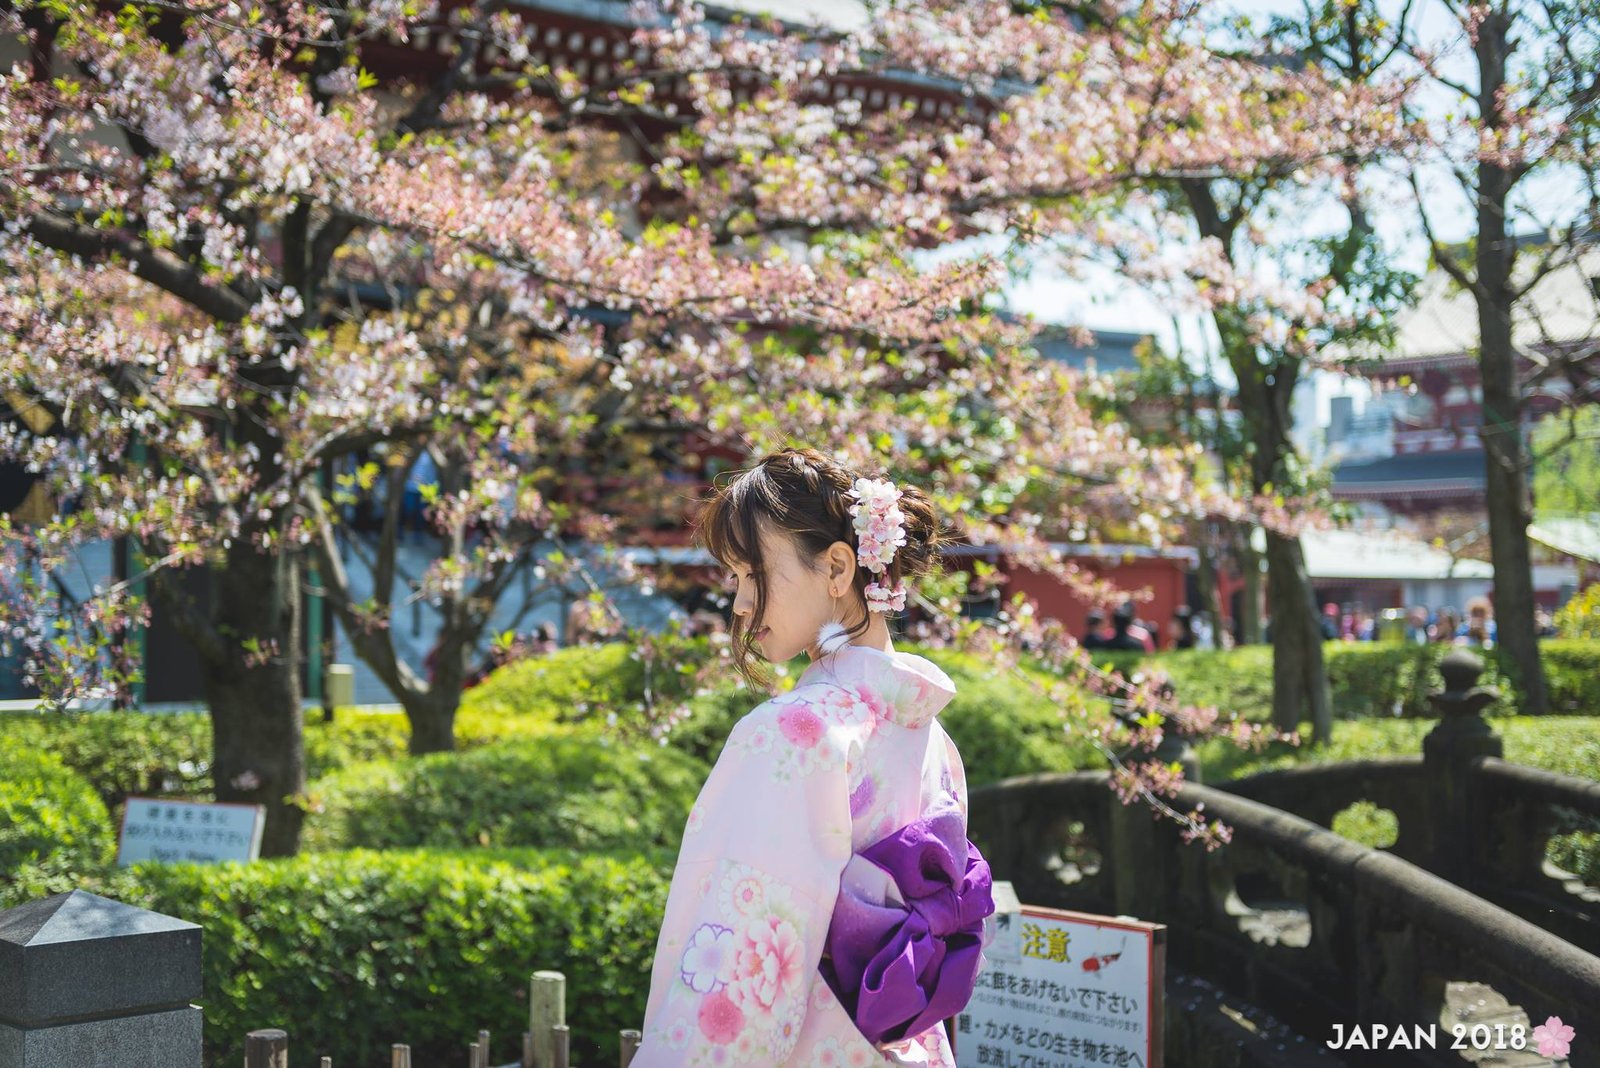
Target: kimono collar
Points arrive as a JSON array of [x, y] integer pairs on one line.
[[914, 687]]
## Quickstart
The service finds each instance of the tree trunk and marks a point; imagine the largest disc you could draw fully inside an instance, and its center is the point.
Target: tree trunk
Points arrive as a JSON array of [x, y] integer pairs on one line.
[[1250, 596], [1299, 681], [1207, 579], [1508, 499], [433, 719], [253, 690]]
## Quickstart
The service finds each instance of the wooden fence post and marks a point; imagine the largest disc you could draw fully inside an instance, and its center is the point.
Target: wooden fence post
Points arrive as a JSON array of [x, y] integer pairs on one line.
[[266, 1048], [630, 1046], [399, 1056], [327, 1062], [547, 1009], [527, 1049], [561, 1040]]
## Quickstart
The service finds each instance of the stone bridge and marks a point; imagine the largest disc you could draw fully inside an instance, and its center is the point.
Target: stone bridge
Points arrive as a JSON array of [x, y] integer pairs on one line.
[[1290, 928]]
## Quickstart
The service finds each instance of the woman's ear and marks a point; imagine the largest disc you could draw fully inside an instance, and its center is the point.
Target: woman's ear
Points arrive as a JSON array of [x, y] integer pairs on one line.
[[841, 565]]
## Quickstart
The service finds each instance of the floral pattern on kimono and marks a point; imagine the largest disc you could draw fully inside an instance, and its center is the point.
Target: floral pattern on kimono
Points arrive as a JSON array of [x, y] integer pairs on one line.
[[797, 789]]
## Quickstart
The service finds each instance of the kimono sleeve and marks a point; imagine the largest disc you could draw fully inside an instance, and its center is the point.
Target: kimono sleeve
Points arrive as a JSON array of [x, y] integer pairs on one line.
[[754, 889]]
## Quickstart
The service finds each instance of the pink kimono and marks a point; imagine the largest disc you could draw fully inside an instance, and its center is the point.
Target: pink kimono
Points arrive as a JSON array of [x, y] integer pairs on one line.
[[826, 908]]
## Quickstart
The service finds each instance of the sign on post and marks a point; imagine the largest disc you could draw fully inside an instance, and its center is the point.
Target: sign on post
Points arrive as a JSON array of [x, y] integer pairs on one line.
[[189, 831], [1066, 990]]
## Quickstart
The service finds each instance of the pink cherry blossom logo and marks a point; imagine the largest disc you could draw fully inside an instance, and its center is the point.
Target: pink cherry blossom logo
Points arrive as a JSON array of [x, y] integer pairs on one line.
[[1554, 1038]]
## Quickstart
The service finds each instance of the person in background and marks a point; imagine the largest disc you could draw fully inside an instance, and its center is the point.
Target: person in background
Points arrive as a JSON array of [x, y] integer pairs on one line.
[[1544, 624], [1205, 636], [1365, 627], [1417, 625], [1145, 632], [1122, 636], [1444, 629], [1183, 627], [544, 639], [1094, 634], [1479, 628], [1330, 621]]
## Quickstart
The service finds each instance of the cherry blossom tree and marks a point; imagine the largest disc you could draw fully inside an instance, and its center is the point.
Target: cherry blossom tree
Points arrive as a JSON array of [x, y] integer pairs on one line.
[[232, 256], [1522, 85]]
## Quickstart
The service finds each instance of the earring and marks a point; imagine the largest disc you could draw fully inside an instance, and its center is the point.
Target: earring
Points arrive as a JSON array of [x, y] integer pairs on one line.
[[832, 636]]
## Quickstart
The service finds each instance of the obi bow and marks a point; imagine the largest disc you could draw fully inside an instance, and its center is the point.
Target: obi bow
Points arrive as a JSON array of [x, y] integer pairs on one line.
[[906, 940]]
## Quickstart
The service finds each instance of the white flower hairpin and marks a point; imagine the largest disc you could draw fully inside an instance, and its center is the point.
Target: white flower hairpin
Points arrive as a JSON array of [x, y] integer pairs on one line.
[[880, 531]]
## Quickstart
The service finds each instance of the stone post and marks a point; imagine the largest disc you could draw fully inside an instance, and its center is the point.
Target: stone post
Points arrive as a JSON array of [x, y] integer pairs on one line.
[[1461, 736], [87, 982]]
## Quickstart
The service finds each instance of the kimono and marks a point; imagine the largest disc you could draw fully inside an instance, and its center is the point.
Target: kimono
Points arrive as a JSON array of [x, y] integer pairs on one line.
[[826, 908]]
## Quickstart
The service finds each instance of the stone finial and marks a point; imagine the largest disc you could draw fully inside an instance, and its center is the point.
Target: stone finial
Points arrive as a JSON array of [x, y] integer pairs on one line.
[[88, 982], [1460, 669]]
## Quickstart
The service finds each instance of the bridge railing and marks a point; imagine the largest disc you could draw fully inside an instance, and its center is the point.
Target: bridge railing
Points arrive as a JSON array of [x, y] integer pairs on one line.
[[1518, 809], [1312, 927]]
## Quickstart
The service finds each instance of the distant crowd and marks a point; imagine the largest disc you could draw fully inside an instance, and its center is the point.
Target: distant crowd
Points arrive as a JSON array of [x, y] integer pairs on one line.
[[1422, 626], [1124, 630]]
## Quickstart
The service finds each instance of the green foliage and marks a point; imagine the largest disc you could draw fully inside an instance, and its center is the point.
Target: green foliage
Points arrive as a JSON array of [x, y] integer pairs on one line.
[[1572, 673], [50, 817], [350, 952], [131, 754], [1580, 617], [1578, 852], [1566, 470], [566, 792], [1002, 725], [1367, 824], [577, 685], [121, 754], [355, 736], [1567, 744], [1238, 680], [1366, 678]]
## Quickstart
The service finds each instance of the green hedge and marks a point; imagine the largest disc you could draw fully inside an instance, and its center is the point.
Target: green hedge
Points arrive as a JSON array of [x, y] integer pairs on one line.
[[50, 817], [350, 952], [566, 792], [1002, 726], [131, 754], [1366, 678]]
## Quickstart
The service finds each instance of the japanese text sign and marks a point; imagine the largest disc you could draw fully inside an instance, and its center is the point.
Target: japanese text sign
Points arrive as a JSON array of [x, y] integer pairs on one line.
[[189, 831]]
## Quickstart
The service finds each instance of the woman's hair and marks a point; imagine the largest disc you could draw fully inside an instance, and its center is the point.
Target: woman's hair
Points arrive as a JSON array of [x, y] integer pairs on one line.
[[801, 493]]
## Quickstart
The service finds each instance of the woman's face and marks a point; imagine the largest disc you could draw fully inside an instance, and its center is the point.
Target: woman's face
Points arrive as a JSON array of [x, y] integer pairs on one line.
[[799, 600]]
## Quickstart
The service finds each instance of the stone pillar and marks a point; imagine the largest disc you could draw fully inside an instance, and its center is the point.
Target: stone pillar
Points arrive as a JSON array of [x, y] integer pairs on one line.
[[1461, 736], [87, 982]]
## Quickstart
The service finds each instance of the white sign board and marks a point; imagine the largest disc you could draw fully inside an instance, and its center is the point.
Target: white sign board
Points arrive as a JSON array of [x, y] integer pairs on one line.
[[1066, 990], [189, 831]]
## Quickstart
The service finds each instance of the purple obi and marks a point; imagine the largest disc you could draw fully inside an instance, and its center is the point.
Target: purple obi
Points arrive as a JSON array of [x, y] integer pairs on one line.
[[906, 941]]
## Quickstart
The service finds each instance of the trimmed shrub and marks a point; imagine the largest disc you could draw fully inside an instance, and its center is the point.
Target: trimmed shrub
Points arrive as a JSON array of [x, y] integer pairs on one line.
[[122, 754], [168, 754], [1366, 678], [50, 817], [1001, 725], [1572, 670], [350, 952], [560, 792]]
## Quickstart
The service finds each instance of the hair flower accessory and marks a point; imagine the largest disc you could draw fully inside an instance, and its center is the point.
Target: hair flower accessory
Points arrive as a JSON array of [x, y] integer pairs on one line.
[[880, 530]]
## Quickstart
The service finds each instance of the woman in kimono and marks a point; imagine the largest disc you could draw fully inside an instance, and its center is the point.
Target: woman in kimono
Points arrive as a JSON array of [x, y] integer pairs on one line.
[[826, 908]]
